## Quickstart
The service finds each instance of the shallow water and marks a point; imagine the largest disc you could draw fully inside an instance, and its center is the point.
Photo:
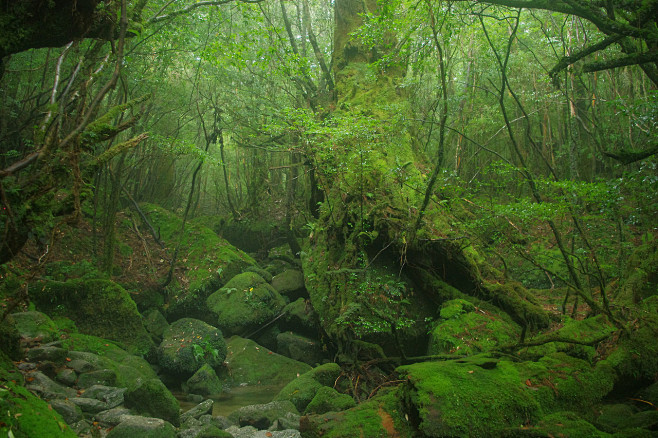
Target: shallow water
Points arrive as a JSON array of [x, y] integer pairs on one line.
[[238, 397]]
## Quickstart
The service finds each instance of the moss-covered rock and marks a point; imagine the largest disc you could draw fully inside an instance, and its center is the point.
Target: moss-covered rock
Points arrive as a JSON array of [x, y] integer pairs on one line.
[[251, 364], [36, 325], [209, 262], [98, 354], [155, 323], [142, 427], [154, 399], [188, 344], [463, 330], [10, 338], [245, 303], [24, 414], [327, 399], [204, 382], [299, 348], [300, 317], [303, 389], [290, 283], [262, 416], [99, 307], [380, 417], [483, 396]]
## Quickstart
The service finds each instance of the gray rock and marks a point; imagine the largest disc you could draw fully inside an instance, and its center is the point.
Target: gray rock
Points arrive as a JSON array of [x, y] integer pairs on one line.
[[89, 405], [289, 421], [203, 431], [111, 396], [66, 377], [98, 377], [202, 408], [264, 415], [80, 365], [143, 427], [53, 354], [70, 412], [81, 427], [242, 432], [189, 423], [217, 420], [288, 433], [47, 388], [114, 416]]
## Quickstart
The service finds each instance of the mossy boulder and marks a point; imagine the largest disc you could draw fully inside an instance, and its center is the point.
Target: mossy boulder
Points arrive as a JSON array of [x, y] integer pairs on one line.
[[10, 338], [98, 307], [465, 330], [302, 390], [204, 382], [245, 303], [152, 398], [300, 317], [251, 364], [209, 262], [290, 283], [142, 427], [327, 399], [188, 344], [380, 417], [484, 396], [95, 353], [155, 323], [262, 416], [36, 325], [24, 414], [299, 348]]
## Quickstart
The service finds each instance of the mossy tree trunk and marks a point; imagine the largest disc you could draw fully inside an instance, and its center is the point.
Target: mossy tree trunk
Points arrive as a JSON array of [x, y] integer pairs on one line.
[[368, 237]]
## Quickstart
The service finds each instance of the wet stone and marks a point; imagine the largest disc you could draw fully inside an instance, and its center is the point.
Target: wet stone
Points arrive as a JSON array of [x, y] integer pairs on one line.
[[114, 416], [66, 377], [100, 377], [111, 396], [90, 405], [70, 412], [53, 354]]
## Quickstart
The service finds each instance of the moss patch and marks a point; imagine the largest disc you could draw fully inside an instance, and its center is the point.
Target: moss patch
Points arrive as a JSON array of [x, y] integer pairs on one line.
[[99, 307], [302, 390], [252, 364]]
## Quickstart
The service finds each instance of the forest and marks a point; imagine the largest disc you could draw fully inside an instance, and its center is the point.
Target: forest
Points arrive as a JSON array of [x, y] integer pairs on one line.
[[328, 218]]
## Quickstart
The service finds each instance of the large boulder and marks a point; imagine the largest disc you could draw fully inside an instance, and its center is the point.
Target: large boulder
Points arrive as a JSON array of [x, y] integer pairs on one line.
[[188, 344], [36, 326], [209, 262], [264, 415], [327, 399], [299, 348], [290, 283], [303, 389], [245, 303], [98, 307], [252, 364], [465, 330], [154, 399], [204, 382]]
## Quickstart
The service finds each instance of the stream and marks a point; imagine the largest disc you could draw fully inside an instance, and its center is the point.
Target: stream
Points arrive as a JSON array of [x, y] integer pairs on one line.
[[238, 397]]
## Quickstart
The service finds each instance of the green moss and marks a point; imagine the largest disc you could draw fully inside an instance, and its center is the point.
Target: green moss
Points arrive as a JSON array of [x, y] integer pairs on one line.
[[36, 325], [465, 331], [472, 397], [327, 399], [251, 364], [209, 260], [98, 307], [154, 399], [302, 390], [188, 344], [245, 303], [381, 416], [23, 414], [130, 370], [204, 382]]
